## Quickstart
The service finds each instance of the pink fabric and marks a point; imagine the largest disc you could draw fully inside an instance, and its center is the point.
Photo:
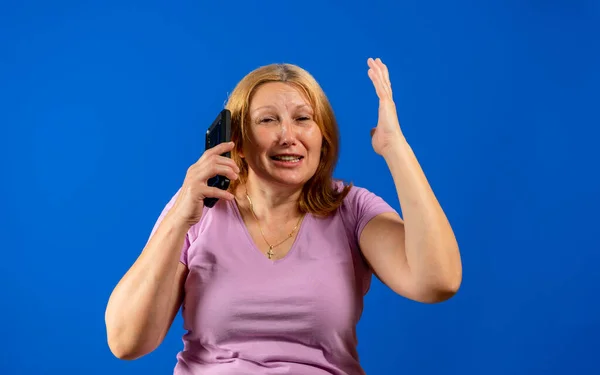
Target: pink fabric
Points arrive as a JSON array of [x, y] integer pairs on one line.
[[245, 314]]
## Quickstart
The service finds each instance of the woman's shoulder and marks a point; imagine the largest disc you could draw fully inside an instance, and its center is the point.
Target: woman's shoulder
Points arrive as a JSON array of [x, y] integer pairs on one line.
[[220, 210], [356, 195], [360, 203]]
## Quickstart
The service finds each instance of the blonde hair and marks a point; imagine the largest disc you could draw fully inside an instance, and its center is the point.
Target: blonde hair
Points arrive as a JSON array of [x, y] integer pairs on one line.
[[319, 196]]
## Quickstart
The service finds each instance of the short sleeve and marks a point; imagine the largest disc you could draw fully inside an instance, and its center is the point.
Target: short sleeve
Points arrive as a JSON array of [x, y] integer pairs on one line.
[[364, 206], [359, 207], [187, 241]]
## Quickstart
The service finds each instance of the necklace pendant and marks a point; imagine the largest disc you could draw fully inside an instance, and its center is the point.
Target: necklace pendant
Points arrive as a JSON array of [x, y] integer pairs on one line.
[[270, 252]]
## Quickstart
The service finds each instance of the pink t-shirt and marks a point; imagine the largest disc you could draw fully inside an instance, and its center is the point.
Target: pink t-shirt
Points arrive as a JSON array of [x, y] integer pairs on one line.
[[246, 314]]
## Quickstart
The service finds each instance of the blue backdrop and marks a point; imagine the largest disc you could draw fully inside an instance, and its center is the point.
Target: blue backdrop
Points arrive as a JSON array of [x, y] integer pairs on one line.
[[104, 106]]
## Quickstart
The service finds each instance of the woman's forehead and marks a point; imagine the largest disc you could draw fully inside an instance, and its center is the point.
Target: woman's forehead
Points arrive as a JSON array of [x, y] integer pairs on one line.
[[274, 95]]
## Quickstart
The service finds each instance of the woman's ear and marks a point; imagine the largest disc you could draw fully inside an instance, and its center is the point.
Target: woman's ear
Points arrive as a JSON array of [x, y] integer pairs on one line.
[[239, 149]]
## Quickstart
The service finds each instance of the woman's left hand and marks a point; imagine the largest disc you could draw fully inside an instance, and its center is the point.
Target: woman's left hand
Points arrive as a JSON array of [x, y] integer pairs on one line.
[[388, 130]]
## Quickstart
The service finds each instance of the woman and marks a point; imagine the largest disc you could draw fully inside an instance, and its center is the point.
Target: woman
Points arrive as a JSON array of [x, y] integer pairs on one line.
[[271, 279]]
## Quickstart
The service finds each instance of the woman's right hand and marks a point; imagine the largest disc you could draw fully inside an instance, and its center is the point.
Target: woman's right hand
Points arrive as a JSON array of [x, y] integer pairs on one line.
[[190, 200]]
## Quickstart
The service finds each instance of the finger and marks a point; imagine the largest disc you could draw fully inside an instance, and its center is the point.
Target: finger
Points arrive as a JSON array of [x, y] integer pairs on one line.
[[380, 68], [221, 148], [222, 170], [384, 75], [370, 62], [223, 160], [213, 192], [378, 83], [376, 70], [206, 162], [384, 70]]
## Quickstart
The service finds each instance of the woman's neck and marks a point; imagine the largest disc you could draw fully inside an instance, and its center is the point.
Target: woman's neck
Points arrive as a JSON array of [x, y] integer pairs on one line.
[[269, 203]]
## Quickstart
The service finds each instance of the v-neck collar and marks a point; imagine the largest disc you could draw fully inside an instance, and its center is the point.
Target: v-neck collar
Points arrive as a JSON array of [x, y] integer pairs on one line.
[[257, 252]]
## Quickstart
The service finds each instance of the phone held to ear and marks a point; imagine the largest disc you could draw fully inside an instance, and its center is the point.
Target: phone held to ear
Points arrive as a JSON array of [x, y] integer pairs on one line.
[[219, 132]]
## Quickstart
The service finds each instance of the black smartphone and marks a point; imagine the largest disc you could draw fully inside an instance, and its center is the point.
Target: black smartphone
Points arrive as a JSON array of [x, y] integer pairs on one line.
[[218, 132]]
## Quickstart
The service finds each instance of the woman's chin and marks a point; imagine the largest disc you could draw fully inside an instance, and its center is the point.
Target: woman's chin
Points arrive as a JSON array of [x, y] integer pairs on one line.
[[290, 179]]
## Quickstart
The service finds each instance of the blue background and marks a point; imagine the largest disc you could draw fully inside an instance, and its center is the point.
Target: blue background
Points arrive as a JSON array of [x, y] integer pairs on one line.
[[104, 106]]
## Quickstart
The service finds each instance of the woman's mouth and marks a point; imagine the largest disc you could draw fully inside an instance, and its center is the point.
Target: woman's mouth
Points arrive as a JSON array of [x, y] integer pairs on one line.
[[287, 158]]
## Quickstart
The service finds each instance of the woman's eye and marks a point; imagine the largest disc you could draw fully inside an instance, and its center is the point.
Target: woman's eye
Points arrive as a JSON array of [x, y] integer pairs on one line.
[[266, 120], [304, 118]]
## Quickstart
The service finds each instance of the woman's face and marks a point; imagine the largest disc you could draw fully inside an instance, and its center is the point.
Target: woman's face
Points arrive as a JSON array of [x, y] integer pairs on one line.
[[284, 144]]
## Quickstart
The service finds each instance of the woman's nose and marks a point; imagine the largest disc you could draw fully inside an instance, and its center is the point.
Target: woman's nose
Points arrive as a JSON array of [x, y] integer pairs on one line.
[[287, 134]]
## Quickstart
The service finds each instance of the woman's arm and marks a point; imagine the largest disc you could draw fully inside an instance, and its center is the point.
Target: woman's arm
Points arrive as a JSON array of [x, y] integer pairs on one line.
[[418, 257], [144, 303]]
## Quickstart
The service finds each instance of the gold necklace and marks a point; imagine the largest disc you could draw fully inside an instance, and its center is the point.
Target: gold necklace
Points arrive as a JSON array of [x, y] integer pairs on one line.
[[270, 252]]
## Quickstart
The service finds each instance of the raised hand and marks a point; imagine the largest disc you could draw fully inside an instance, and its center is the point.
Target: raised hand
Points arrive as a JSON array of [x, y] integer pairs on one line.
[[388, 126]]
